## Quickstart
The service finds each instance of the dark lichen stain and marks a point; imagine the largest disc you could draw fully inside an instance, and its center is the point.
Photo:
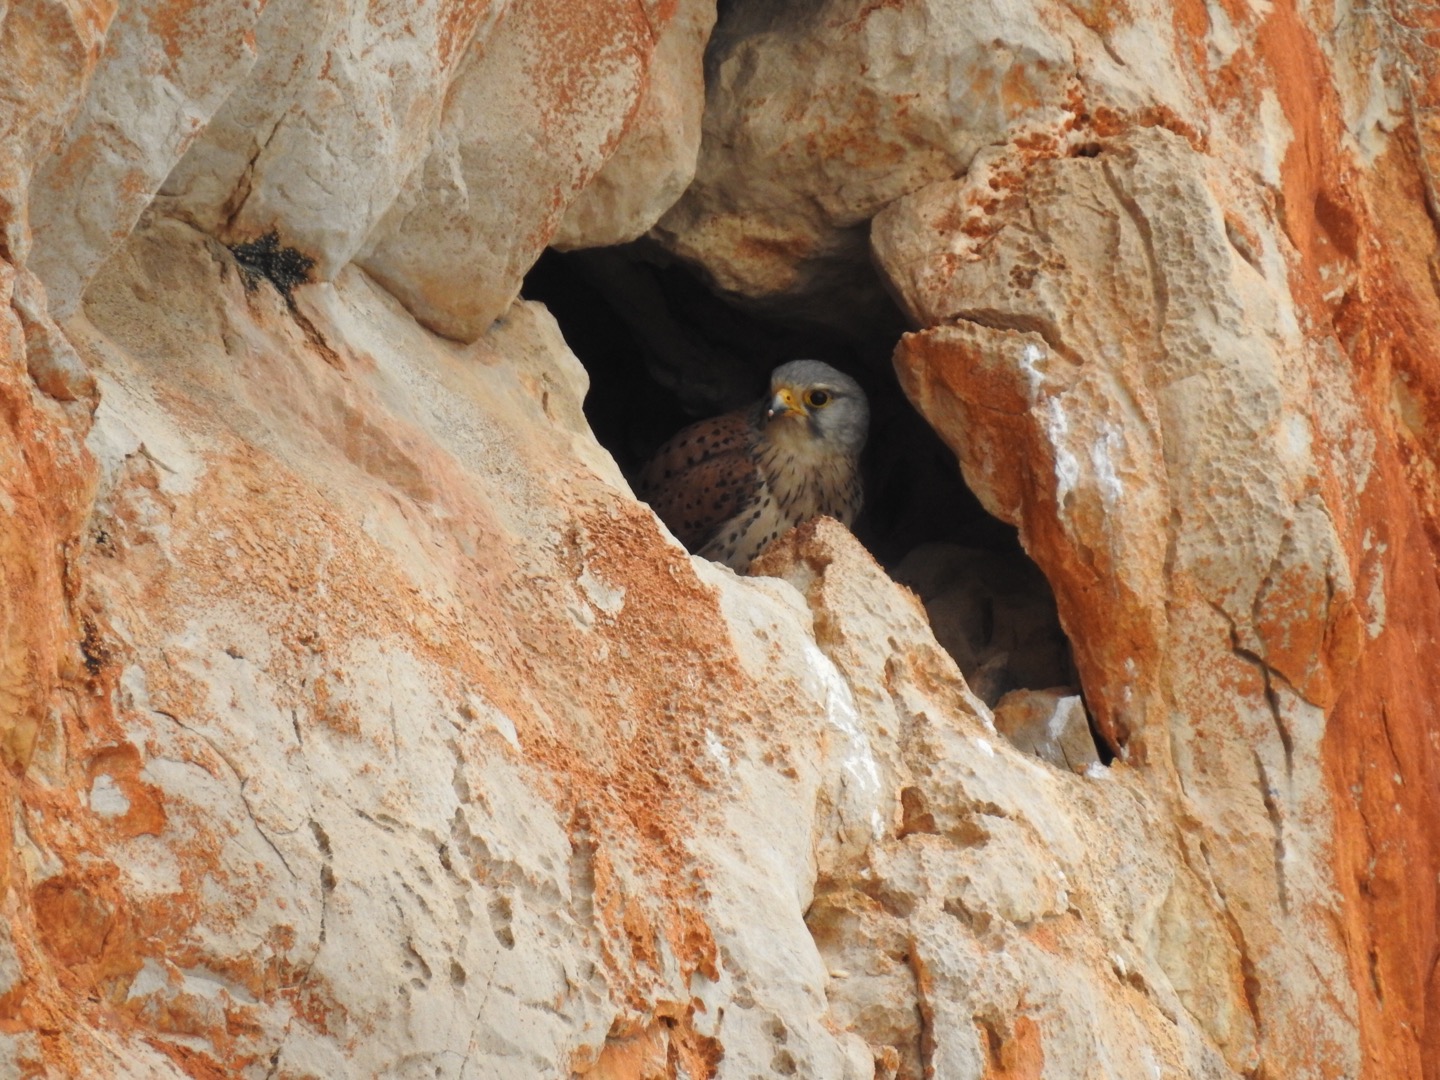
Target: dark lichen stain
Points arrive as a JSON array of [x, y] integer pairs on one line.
[[283, 267], [93, 648]]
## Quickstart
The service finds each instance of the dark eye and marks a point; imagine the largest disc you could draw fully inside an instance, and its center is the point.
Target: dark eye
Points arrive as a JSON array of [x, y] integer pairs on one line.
[[817, 399]]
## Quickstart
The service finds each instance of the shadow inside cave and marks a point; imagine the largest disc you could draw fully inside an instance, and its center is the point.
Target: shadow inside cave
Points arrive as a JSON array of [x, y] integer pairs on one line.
[[662, 349]]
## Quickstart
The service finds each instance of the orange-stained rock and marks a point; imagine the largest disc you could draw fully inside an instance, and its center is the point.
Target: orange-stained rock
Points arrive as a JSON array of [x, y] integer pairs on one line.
[[987, 900], [654, 161], [329, 813], [895, 95], [533, 114], [1175, 408], [355, 719], [46, 478], [1143, 400], [163, 73]]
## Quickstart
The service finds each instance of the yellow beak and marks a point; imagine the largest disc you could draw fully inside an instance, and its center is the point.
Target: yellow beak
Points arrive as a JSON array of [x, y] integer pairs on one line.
[[783, 402]]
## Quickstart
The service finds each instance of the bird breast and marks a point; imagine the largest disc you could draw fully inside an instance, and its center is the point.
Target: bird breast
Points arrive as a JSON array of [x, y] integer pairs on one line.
[[806, 476]]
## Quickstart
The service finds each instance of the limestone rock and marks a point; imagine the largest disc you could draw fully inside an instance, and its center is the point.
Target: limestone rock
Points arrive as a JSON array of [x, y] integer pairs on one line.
[[818, 115], [48, 52], [1050, 724], [487, 198], [49, 358], [357, 721], [340, 107], [986, 902], [1121, 381], [155, 89], [655, 159], [378, 131]]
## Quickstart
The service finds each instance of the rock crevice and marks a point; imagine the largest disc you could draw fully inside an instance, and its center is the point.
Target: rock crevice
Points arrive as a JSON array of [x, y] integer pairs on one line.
[[358, 721]]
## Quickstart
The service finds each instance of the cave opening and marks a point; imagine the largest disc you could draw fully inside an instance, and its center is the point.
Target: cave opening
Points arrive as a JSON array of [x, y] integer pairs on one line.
[[663, 349]]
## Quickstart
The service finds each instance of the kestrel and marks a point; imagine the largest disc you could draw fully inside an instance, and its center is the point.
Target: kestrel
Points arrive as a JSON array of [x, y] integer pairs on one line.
[[729, 485]]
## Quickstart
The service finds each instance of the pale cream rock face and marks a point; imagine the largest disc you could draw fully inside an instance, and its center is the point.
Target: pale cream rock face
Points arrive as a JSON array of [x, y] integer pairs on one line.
[[655, 159], [893, 97], [986, 887], [340, 107], [357, 721], [156, 89], [313, 121], [1158, 385], [484, 201]]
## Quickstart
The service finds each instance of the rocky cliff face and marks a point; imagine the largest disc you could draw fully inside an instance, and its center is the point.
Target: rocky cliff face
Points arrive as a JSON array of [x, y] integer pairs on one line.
[[357, 721]]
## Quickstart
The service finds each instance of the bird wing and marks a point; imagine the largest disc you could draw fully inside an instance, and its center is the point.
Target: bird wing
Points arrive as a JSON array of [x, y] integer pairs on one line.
[[703, 477]]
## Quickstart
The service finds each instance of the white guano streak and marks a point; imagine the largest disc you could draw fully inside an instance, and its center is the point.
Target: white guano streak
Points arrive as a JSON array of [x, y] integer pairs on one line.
[[716, 749], [1052, 421], [859, 763], [1067, 466], [1031, 355], [1102, 456]]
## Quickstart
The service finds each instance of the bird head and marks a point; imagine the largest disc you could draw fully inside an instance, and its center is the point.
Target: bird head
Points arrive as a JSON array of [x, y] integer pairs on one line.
[[812, 397]]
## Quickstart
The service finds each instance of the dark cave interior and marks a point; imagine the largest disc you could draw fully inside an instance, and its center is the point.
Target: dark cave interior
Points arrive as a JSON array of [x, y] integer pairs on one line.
[[663, 349]]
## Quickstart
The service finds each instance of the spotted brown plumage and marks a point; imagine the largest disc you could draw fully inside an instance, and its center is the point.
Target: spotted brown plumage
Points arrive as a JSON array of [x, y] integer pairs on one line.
[[729, 485]]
